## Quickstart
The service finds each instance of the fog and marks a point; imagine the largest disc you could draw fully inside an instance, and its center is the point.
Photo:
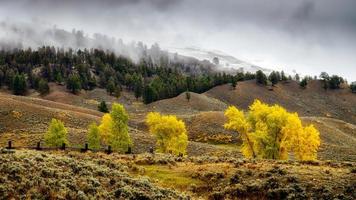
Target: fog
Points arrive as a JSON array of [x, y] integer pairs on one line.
[[308, 36]]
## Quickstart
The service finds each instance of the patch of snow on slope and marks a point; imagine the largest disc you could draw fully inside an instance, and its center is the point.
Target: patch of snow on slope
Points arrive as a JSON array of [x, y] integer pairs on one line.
[[226, 62]]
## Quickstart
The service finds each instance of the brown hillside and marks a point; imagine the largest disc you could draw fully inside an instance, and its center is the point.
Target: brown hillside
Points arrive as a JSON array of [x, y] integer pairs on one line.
[[180, 106], [208, 127], [24, 120], [312, 101], [338, 138], [88, 99]]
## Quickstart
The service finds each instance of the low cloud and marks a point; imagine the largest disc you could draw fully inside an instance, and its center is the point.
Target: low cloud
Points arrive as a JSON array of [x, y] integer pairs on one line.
[[307, 35]]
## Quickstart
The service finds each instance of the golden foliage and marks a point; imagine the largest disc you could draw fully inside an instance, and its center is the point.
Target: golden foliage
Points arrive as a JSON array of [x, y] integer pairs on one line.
[[105, 128], [170, 133], [93, 136], [114, 128], [119, 138], [56, 134], [272, 132]]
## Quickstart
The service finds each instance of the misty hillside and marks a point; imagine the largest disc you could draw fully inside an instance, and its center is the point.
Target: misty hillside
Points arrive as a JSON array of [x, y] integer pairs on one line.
[[22, 36], [223, 61]]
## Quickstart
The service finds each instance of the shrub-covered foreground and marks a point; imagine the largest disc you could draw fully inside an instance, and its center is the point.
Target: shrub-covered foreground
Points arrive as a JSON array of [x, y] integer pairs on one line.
[[74, 175], [43, 175]]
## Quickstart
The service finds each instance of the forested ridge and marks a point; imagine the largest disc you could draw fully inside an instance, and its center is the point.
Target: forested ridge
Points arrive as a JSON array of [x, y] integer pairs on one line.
[[152, 78], [21, 69]]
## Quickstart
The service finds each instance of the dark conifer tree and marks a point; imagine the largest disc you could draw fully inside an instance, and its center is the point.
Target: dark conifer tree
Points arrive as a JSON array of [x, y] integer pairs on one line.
[[43, 87], [19, 86], [74, 83], [303, 83], [261, 78], [102, 107]]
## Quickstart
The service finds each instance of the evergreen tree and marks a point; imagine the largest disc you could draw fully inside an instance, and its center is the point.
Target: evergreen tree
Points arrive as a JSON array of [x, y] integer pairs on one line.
[[74, 83], [240, 76], [91, 83], [303, 83], [110, 88], [43, 87], [102, 107], [335, 82], [278, 76], [117, 92], [56, 134], [2, 77], [149, 94], [47, 71], [353, 87], [297, 78], [58, 78], [19, 85], [283, 76], [138, 88], [261, 78], [324, 76], [273, 77], [233, 83]]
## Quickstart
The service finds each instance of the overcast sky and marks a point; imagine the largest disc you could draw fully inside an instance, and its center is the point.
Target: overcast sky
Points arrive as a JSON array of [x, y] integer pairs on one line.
[[308, 36]]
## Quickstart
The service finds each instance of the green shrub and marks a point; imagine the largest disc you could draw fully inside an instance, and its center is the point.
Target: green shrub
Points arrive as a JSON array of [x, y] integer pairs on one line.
[[102, 107]]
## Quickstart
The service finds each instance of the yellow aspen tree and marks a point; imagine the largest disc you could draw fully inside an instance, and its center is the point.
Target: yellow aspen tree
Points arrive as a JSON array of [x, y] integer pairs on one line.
[[114, 129], [170, 133], [119, 139], [56, 134], [93, 136], [105, 128], [271, 132], [310, 142], [238, 122]]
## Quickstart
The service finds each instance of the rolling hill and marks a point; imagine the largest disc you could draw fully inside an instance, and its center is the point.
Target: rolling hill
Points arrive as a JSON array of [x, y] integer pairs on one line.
[[214, 168], [25, 119]]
